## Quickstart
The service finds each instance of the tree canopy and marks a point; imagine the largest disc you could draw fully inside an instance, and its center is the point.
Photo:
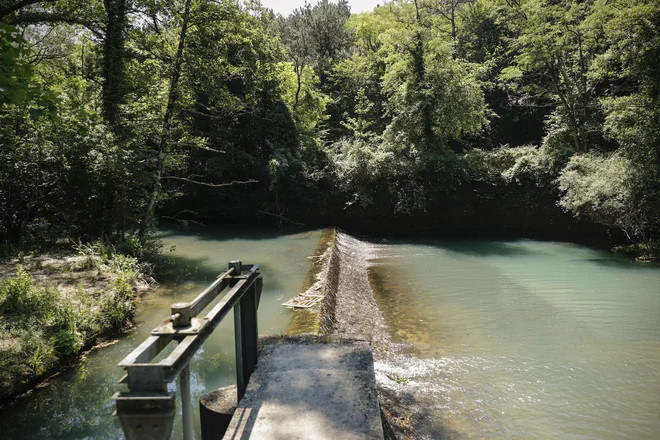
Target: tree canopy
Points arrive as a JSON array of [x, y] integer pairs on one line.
[[441, 115]]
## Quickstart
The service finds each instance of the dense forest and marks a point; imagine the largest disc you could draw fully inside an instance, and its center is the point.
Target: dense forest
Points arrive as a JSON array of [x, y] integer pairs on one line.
[[450, 116]]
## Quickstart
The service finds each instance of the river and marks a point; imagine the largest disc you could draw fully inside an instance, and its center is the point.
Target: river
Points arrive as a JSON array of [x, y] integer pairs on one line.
[[490, 339], [77, 404], [520, 339]]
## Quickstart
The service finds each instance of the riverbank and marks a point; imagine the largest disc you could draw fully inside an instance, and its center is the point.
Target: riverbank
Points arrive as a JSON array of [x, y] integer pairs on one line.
[[56, 307]]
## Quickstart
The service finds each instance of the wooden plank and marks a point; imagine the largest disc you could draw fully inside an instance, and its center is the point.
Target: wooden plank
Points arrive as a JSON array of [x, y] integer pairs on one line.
[[304, 301]]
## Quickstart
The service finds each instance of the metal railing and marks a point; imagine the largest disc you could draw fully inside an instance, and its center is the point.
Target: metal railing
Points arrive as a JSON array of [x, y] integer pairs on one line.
[[147, 410]]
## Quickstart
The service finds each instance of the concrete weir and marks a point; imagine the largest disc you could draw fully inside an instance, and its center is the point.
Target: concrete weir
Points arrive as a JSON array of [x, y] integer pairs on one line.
[[308, 388], [320, 384]]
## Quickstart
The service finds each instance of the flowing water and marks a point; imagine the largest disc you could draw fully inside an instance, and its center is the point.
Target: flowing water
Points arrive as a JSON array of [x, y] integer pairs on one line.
[[519, 339], [77, 404]]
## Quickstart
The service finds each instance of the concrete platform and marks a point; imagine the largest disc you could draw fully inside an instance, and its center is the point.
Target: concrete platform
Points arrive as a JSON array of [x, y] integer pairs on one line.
[[310, 391]]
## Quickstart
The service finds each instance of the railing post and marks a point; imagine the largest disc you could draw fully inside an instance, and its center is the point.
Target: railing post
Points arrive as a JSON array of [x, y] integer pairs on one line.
[[249, 332], [186, 403], [238, 341], [147, 410]]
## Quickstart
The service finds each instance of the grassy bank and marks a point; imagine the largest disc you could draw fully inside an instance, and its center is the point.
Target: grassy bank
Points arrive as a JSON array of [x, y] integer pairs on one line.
[[53, 307]]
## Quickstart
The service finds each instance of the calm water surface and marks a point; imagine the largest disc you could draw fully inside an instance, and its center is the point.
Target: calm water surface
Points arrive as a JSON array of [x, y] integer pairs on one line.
[[523, 339], [77, 404], [519, 339]]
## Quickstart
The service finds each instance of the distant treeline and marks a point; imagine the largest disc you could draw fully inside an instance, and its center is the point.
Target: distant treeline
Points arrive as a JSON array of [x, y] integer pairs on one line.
[[514, 116]]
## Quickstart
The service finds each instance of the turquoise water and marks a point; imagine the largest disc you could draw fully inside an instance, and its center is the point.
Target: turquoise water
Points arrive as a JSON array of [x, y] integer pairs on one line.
[[77, 404], [521, 339], [518, 339]]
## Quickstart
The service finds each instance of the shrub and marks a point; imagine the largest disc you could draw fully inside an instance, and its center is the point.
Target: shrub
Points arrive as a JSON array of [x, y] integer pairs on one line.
[[119, 305], [40, 325], [21, 297], [602, 189]]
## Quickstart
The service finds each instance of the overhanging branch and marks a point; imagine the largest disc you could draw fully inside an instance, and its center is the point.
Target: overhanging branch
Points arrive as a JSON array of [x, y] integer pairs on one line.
[[211, 185], [10, 9]]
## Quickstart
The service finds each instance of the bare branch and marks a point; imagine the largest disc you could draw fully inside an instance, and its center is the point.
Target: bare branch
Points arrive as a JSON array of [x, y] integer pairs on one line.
[[27, 18], [182, 222], [20, 5], [281, 217], [212, 185]]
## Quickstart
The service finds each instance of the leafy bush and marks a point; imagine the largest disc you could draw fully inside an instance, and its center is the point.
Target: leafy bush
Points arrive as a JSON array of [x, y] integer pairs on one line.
[[119, 304], [132, 246], [41, 325], [528, 164], [602, 189], [21, 297]]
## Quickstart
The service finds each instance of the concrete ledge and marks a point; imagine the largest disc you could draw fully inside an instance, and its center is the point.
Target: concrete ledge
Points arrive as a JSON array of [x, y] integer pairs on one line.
[[310, 391]]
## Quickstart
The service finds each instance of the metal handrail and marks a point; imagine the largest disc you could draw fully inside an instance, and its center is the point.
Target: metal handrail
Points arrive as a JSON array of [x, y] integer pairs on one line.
[[147, 410]]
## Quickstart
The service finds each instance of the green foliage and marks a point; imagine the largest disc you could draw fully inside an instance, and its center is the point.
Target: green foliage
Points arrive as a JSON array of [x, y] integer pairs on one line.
[[133, 247], [525, 165], [431, 97], [41, 326], [21, 297], [558, 42], [603, 189], [309, 101], [119, 305], [15, 72], [110, 120], [361, 166]]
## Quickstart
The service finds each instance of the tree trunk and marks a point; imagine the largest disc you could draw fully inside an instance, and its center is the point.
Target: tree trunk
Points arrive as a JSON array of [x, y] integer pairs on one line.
[[113, 60], [148, 215], [428, 137], [299, 72]]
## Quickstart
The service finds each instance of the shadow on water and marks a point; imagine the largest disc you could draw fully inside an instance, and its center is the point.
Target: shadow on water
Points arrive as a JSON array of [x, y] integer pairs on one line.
[[176, 269], [472, 248], [219, 233], [622, 262], [486, 249], [173, 268], [513, 248]]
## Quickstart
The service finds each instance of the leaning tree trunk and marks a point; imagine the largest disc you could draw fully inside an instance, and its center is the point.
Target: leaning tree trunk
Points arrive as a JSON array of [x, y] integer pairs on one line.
[[148, 214]]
